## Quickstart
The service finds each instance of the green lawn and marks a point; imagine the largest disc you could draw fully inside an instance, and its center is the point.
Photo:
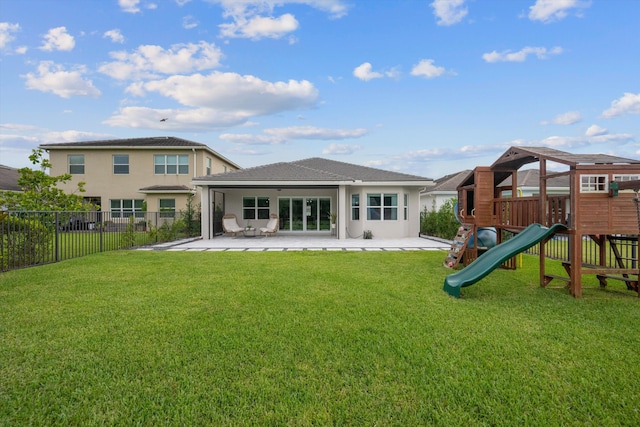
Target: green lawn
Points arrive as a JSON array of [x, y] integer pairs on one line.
[[309, 338]]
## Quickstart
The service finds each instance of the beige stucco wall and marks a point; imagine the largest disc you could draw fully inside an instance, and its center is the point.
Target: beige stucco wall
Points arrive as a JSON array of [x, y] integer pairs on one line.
[[100, 181]]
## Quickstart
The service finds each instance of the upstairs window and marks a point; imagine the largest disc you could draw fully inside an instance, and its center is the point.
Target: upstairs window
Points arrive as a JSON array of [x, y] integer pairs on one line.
[[121, 164], [171, 164], [76, 164], [208, 169]]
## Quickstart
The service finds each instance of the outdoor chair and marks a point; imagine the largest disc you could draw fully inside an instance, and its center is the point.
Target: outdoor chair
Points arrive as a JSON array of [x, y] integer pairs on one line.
[[271, 227], [230, 224]]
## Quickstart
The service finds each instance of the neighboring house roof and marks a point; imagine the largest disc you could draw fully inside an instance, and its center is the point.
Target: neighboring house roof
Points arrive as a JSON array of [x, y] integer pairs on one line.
[[136, 143], [9, 179], [449, 183], [314, 170], [166, 189], [530, 178]]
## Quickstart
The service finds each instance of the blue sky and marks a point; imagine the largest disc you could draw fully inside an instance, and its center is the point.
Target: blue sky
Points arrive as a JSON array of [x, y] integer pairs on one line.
[[427, 87]]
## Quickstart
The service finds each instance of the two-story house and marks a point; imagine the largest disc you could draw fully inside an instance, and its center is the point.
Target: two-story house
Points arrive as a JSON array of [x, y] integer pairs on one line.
[[124, 176]]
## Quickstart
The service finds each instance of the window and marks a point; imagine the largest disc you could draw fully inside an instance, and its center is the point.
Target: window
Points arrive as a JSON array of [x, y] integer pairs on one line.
[[390, 206], [355, 207], [406, 206], [382, 207], [76, 164], [171, 164], [255, 208], [167, 208], [208, 167], [124, 208], [121, 164], [593, 183], [622, 178]]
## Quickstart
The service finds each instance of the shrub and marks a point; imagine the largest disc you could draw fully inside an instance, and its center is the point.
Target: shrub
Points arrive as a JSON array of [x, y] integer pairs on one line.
[[440, 223], [23, 241]]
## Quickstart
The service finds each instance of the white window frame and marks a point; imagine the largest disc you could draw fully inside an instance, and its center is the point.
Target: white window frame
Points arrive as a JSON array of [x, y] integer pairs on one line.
[[259, 209], [385, 211], [125, 212], [208, 166], [406, 206], [73, 166], [163, 163], [594, 183], [169, 208], [120, 164], [355, 207]]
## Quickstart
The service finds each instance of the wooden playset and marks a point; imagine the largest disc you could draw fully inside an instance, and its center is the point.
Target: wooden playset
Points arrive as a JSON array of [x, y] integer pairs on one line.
[[600, 210]]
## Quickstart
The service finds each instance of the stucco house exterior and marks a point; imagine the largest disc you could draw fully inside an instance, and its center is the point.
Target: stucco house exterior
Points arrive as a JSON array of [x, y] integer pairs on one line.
[[304, 194], [125, 176]]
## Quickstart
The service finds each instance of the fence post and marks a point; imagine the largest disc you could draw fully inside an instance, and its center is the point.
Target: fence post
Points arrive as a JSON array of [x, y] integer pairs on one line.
[[57, 234]]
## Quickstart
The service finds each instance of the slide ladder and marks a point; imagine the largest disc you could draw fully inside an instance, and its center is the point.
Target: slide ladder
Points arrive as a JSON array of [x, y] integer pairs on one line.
[[458, 246]]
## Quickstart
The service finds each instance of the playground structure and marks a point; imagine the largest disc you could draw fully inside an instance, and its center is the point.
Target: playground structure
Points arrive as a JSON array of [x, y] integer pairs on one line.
[[593, 229]]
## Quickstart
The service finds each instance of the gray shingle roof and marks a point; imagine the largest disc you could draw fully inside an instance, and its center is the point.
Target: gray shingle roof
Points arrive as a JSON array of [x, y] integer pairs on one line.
[[450, 182], [156, 141], [310, 170], [531, 178], [9, 178]]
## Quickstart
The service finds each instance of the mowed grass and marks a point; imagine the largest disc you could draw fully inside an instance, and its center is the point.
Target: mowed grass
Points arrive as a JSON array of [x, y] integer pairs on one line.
[[309, 338]]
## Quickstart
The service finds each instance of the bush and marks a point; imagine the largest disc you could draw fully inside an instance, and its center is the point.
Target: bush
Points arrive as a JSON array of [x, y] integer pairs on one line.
[[440, 223], [23, 242]]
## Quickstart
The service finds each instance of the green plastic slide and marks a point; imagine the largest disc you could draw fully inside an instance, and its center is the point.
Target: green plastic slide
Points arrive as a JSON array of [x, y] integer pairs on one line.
[[494, 257]]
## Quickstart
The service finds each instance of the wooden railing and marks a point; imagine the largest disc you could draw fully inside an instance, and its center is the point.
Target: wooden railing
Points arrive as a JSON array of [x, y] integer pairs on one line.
[[522, 211]]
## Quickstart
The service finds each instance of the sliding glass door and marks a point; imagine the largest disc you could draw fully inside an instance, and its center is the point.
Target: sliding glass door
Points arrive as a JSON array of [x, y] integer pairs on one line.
[[304, 213]]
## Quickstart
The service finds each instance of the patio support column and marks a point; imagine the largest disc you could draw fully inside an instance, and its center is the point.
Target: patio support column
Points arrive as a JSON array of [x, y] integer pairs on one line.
[[342, 212], [205, 212]]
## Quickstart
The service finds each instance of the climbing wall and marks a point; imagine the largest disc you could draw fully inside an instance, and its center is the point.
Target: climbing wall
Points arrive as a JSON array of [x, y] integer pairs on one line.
[[458, 246]]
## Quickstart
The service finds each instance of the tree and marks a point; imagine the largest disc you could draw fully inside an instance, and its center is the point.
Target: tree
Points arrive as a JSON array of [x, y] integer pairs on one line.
[[40, 191]]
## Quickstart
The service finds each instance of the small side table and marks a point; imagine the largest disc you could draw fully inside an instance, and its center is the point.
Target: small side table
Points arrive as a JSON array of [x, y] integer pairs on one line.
[[249, 232]]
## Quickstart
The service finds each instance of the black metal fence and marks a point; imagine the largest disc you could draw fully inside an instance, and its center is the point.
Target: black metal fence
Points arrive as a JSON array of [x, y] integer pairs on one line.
[[29, 238]]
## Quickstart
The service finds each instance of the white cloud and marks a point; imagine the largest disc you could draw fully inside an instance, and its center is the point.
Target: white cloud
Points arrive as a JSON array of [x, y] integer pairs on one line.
[[182, 2], [58, 39], [555, 10], [449, 12], [189, 22], [568, 118], [364, 72], [521, 55], [335, 148], [254, 19], [218, 100], [273, 136], [115, 35], [196, 119], [6, 33], [150, 60], [235, 92], [21, 50], [629, 103], [55, 79], [129, 6], [312, 132], [595, 130], [425, 68], [258, 27]]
